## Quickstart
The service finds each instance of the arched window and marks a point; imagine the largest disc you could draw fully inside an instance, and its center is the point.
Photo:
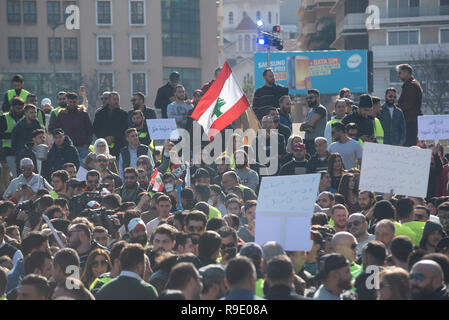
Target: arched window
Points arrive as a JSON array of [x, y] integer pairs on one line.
[[257, 15], [240, 43], [269, 17], [231, 17], [254, 43], [247, 43], [277, 18]]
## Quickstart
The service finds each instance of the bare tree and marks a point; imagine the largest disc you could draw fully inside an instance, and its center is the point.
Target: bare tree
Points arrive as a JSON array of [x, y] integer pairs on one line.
[[432, 70]]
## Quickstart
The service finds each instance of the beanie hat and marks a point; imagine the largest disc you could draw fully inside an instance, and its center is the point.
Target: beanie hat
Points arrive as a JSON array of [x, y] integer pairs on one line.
[[365, 101]]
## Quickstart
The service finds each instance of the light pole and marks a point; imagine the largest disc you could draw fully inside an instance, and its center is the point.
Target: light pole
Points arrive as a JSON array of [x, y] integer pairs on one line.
[[53, 28], [269, 39]]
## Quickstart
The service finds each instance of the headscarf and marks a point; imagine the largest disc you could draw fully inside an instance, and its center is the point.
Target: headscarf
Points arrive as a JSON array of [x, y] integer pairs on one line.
[[101, 140]]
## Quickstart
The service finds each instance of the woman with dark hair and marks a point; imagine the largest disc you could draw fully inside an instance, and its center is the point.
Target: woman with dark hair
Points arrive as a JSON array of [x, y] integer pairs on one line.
[[348, 189], [98, 262], [335, 169]]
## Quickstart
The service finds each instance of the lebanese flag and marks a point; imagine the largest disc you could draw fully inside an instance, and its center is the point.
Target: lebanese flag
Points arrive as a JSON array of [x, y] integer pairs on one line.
[[222, 104], [156, 181]]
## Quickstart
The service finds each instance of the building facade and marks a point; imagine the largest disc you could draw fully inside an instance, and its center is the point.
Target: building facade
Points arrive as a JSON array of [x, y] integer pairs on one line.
[[410, 31], [122, 45]]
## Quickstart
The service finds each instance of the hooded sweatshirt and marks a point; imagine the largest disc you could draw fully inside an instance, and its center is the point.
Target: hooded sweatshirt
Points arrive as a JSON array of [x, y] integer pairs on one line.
[[430, 227]]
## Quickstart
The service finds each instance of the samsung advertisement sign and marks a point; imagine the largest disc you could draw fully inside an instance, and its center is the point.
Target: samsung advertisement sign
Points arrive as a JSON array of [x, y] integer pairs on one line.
[[327, 71]]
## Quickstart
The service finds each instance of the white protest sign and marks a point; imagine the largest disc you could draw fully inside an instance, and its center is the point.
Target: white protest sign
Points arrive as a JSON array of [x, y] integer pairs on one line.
[[162, 129], [433, 127], [386, 167], [284, 209], [81, 174]]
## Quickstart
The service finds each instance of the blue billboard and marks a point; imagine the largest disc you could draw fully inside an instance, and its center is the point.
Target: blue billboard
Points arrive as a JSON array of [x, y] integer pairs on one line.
[[327, 71]]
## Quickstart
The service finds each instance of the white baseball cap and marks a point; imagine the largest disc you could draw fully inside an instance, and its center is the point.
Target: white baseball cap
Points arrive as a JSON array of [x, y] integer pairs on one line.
[[45, 101]]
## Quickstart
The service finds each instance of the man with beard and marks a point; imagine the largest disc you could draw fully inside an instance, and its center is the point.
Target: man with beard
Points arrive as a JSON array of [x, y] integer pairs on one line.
[[361, 119], [338, 217], [137, 231], [62, 103], [316, 120], [164, 238], [367, 201], [357, 226], [285, 110], [223, 165], [7, 122], [195, 224], [132, 151], [179, 108], [248, 177], [80, 239], [110, 123], [339, 111], [265, 152], [299, 163], [443, 214], [427, 281], [101, 164], [335, 275], [138, 101], [131, 188], [138, 122], [346, 244], [163, 208], [268, 95], [349, 149], [284, 130], [392, 120]]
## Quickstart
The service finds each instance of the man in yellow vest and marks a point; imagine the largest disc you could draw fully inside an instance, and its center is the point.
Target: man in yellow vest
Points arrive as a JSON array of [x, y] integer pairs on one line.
[[32, 99], [375, 112], [62, 103], [7, 122], [138, 122], [339, 110], [16, 91]]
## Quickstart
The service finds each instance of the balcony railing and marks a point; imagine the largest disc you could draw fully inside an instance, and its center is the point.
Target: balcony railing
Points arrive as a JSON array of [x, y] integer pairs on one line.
[[414, 12]]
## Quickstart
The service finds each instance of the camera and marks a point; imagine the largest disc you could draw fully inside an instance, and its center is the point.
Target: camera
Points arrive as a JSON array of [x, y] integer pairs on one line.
[[101, 217], [79, 202]]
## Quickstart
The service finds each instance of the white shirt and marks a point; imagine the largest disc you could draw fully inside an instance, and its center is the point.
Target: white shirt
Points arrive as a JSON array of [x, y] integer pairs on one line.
[[391, 111], [151, 226]]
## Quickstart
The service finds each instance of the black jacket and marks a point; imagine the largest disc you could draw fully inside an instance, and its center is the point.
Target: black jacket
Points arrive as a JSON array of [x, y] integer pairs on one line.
[[58, 156], [440, 294], [163, 96], [364, 125], [315, 164], [115, 123], [282, 292], [22, 133], [147, 113]]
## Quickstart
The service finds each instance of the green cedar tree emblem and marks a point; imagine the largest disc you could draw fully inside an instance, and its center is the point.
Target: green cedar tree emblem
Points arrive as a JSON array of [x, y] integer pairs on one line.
[[220, 103]]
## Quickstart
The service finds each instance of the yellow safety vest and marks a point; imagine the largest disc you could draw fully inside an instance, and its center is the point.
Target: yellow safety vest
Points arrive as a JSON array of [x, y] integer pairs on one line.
[[378, 131], [259, 287], [40, 117], [56, 111], [23, 94], [54, 195], [10, 123], [143, 135]]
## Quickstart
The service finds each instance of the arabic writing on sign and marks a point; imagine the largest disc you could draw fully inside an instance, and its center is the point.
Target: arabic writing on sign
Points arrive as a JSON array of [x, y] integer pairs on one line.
[[162, 129], [433, 127], [288, 195], [385, 167]]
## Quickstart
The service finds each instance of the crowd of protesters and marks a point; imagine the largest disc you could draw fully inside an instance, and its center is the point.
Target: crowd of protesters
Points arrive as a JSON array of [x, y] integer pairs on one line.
[[108, 214]]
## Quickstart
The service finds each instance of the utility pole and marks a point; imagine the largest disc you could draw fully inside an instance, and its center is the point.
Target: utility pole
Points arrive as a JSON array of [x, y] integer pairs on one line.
[[220, 33], [53, 28]]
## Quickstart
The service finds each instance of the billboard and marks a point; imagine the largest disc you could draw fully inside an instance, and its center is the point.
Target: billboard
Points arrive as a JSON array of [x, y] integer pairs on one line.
[[327, 71]]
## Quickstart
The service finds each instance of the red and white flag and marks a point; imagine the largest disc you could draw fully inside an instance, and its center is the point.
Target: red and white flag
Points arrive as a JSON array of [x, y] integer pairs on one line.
[[156, 181], [222, 104]]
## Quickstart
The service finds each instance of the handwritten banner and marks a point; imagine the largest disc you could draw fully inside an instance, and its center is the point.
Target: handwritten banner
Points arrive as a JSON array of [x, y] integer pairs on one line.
[[433, 127], [386, 167], [284, 208], [162, 129]]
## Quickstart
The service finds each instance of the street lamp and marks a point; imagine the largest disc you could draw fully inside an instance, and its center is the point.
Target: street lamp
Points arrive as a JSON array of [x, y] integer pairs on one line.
[[53, 28]]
